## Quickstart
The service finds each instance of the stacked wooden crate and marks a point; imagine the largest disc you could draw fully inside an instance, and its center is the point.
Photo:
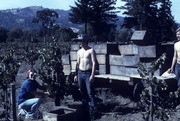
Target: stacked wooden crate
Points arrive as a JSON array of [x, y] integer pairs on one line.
[[102, 55], [73, 56], [147, 55], [116, 59], [66, 64], [69, 60], [125, 64]]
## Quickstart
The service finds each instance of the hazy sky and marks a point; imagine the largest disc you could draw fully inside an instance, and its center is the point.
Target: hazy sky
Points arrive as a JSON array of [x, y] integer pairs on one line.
[[64, 4]]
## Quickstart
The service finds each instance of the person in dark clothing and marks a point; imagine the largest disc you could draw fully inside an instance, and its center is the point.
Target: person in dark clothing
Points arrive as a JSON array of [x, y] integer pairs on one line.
[[26, 100]]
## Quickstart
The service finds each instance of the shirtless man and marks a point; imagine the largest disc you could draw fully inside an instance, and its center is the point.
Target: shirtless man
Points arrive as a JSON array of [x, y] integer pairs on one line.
[[85, 69], [176, 58]]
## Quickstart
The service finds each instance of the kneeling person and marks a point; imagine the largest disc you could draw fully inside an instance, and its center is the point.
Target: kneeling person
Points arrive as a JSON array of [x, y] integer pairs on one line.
[[27, 103]]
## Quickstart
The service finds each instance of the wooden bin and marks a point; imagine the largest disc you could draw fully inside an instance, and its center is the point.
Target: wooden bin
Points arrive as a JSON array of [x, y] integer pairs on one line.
[[60, 114]]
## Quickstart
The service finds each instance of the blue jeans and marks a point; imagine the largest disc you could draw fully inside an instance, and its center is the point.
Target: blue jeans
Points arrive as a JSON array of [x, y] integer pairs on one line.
[[86, 88], [177, 72], [29, 107]]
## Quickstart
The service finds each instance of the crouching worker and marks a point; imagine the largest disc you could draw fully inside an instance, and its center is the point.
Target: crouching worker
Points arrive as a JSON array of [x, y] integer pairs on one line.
[[26, 100]]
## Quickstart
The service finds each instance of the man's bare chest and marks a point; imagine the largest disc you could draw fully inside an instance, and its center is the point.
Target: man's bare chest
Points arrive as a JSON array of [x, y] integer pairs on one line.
[[85, 55], [177, 46]]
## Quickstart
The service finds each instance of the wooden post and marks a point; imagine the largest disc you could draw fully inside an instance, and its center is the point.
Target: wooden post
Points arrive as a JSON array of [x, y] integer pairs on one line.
[[6, 103], [151, 91], [13, 98]]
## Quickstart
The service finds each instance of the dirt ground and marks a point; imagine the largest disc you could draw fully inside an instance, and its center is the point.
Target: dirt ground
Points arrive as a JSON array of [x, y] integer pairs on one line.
[[110, 108]]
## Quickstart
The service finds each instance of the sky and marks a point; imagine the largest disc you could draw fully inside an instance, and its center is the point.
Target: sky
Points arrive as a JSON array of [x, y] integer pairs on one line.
[[65, 5]]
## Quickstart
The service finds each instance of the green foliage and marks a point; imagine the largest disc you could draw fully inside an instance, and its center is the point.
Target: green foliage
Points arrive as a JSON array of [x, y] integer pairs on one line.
[[146, 71], [152, 96], [9, 67], [97, 13], [48, 30], [80, 13], [3, 34], [156, 99], [46, 18], [72, 87], [102, 16], [31, 56], [51, 72], [151, 15], [30, 36], [63, 34], [15, 34], [123, 35], [166, 21]]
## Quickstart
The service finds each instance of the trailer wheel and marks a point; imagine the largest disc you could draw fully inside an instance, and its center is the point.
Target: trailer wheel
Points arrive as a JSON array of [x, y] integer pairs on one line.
[[138, 88]]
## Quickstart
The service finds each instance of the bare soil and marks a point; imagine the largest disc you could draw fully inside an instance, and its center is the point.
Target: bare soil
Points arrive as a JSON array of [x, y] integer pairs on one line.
[[110, 108]]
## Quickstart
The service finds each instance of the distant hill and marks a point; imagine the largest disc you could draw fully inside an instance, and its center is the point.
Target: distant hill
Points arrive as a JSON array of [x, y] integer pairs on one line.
[[22, 18]]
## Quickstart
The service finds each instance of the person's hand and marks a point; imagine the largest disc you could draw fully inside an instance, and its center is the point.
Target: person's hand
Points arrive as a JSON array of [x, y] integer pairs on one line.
[[91, 79], [170, 70], [75, 78]]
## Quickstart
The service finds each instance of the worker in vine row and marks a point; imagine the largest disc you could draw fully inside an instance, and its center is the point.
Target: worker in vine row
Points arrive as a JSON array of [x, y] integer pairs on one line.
[[176, 58], [27, 101]]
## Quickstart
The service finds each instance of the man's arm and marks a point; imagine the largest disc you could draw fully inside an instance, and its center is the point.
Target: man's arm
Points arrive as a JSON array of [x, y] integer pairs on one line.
[[93, 59], [174, 60], [77, 66], [39, 93], [42, 87]]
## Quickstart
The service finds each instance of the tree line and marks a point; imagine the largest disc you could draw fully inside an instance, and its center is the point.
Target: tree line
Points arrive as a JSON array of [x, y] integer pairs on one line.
[[98, 19]]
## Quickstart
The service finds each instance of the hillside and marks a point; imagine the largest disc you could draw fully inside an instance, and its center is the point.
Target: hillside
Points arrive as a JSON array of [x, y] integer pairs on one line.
[[22, 18]]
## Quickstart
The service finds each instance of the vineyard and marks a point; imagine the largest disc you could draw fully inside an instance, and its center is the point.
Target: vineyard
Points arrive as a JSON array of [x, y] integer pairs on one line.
[[17, 58], [14, 56]]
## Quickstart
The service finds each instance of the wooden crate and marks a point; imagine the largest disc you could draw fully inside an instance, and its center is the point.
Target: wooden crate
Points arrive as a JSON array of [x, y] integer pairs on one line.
[[73, 55], [65, 59], [128, 49], [73, 65], [103, 69], [106, 48], [102, 58], [66, 69], [60, 114], [117, 70], [123, 71], [147, 51], [124, 60]]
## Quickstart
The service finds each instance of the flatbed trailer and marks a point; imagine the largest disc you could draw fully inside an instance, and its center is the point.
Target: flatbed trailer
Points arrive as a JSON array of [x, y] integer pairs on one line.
[[127, 83]]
